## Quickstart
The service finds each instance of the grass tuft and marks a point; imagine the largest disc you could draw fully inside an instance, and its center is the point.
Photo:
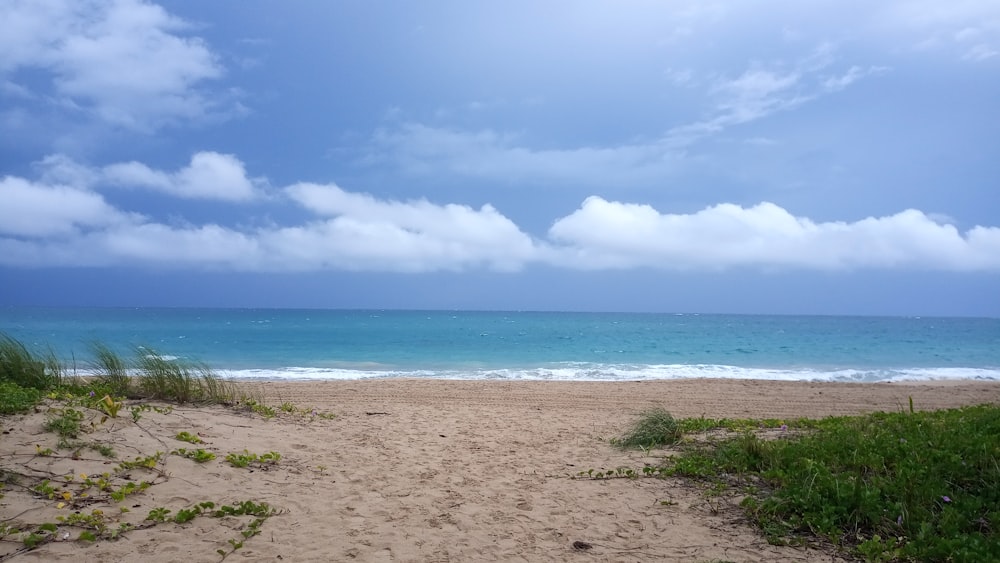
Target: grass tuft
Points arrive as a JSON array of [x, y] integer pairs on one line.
[[656, 427], [111, 371], [25, 368], [184, 382]]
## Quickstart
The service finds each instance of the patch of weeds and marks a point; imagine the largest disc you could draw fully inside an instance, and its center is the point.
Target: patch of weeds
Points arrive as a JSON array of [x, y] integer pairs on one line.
[[64, 422], [261, 512], [129, 488], [45, 489], [137, 410], [15, 399], [199, 455], [189, 438], [246, 458], [890, 486], [96, 525], [260, 408], [7, 530], [147, 462], [656, 427], [103, 449], [159, 514]]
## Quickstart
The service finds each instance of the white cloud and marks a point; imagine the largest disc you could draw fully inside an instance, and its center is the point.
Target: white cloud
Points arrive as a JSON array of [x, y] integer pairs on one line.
[[210, 175], [604, 234], [209, 245], [367, 233], [39, 210], [123, 61], [55, 224]]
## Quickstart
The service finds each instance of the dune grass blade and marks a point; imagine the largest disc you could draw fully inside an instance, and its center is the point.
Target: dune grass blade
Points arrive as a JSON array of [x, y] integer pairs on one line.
[[180, 381], [166, 379], [215, 389], [19, 365], [656, 427], [111, 370]]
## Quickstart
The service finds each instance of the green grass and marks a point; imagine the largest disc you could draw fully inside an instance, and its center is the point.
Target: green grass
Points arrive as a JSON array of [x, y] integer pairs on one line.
[[16, 399], [111, 371], [65, 422], [180, 381], [889, 486], [26, 368], [26, 378], [656, 427]]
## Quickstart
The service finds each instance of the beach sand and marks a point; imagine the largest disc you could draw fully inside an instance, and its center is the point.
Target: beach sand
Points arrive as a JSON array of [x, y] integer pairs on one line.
[[431, 470]]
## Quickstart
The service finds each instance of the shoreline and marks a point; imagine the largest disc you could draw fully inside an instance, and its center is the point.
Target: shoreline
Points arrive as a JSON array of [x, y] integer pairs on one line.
[[713, 398]]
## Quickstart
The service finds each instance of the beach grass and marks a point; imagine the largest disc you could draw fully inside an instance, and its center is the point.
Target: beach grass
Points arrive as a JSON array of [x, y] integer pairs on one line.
[[111, 371], [25, 368], [174, 380], [922, 486], [656, 427], [27, 376], [88, 407]]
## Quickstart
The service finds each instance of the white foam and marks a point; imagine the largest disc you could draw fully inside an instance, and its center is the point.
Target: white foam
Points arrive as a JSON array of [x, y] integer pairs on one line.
[[590, 372]]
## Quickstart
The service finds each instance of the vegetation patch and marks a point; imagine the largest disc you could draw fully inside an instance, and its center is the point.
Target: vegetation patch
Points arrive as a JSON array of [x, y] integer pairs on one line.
[[88, 414], [919, 486], [15, 399], [656, 427], [246, 459]]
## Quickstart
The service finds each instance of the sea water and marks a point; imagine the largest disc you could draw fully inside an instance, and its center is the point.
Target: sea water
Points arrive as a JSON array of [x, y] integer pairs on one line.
[[354, 344]]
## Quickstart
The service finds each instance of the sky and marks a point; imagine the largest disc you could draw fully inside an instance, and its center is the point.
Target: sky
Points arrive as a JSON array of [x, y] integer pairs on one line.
[[784, 157]]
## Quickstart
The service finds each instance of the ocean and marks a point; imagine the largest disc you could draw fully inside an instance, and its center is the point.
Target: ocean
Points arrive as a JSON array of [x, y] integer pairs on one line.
[[355, 344]]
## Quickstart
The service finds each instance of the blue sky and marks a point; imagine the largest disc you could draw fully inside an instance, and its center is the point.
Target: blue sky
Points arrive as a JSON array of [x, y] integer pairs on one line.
[[748, 157]]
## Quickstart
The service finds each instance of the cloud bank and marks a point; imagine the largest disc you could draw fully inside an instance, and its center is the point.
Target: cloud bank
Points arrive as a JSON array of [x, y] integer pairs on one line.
[[45, 223]]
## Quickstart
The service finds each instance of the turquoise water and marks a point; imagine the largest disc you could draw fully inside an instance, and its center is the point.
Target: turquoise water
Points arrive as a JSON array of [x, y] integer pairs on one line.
[[325, 344]]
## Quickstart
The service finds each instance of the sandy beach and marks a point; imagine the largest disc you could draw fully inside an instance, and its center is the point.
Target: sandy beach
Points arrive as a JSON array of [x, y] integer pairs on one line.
[[428, 470]]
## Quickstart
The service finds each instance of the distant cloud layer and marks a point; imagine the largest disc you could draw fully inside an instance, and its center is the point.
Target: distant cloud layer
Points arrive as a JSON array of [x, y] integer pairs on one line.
[[62, 220]]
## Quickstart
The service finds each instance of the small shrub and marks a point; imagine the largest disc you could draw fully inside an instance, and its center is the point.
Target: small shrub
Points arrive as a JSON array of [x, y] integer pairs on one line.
[[656, 427], [66, 423], [16, 399]]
